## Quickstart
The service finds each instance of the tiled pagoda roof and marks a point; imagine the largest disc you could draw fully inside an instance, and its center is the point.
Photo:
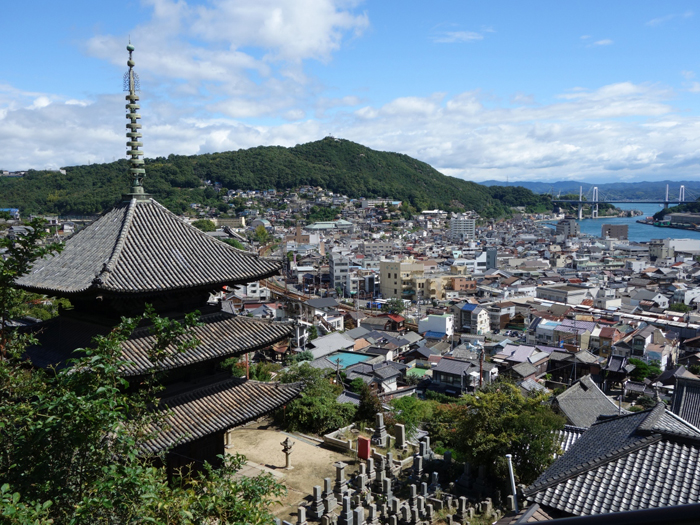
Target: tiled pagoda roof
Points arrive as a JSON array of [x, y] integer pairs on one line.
[[220, 335], [217, 408], [139, 247]]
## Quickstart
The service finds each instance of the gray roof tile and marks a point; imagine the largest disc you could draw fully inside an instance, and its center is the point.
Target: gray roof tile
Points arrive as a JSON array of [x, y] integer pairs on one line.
[[141, 247], [221, 335], [641, 460], [216, 408], [583, 402]]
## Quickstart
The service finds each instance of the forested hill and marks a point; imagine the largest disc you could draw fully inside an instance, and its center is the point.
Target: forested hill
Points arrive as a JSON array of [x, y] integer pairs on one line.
[[338, 165]]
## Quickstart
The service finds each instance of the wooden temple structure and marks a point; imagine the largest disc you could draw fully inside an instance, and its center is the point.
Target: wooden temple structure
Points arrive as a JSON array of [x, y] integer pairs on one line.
[[140, 253]]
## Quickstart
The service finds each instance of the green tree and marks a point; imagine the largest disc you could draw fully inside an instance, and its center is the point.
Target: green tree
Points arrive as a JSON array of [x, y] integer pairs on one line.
[[499, 420], [235, 243], [313, 332], [18, 258], [205, 225], [680, 307], [261, 235], [411, 412], [370, 405], [394, 306], [644, 370], [71, 440], [317, 409], [300, 357]]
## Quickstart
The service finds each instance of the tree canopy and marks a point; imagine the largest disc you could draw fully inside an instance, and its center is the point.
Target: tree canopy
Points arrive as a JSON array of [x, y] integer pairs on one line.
[[72, 440], [317, 409], [340, 166], [394, 306]]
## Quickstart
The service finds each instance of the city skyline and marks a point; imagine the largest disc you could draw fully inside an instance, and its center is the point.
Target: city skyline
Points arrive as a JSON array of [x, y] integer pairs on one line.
[[583, 91]]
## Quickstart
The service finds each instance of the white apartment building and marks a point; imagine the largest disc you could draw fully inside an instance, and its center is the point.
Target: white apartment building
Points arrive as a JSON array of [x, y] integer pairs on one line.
[[462, 228]]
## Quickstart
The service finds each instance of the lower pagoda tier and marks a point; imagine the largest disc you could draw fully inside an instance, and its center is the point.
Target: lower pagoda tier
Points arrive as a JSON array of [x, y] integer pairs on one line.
[[220, 336], [196, 421]]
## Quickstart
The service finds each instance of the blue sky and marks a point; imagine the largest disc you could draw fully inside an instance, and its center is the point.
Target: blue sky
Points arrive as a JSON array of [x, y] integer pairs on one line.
[[594, 91]]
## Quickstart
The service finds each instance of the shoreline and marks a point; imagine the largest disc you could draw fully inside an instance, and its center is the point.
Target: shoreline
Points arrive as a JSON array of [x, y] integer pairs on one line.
[[671, 226]]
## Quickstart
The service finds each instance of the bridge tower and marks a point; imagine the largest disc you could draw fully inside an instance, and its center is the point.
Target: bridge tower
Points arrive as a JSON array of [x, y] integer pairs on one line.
[[666, 199], [594, 206], [681, 195], [580, 203]]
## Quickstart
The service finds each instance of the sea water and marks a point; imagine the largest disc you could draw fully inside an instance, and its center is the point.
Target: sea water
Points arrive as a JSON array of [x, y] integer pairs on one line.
[[637, 232]]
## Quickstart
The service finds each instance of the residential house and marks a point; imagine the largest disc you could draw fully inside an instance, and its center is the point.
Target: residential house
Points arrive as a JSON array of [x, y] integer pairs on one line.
[[633, 462]]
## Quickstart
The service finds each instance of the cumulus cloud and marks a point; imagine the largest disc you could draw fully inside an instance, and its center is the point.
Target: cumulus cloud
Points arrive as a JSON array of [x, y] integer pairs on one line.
[[227, 54], [217, 77], [603, 42], [622, 130]]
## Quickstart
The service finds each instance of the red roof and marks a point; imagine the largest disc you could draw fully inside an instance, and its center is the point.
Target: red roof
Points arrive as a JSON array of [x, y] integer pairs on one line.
[[396, 318]]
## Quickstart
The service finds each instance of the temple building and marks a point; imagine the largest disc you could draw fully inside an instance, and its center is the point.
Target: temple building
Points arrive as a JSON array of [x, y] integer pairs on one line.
[[140, 253]]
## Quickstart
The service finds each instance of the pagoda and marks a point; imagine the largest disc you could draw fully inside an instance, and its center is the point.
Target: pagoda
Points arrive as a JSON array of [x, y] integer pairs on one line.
[[140, 253]]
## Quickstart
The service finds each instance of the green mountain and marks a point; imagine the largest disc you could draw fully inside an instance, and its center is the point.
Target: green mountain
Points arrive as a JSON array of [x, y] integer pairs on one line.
[[338, 165]]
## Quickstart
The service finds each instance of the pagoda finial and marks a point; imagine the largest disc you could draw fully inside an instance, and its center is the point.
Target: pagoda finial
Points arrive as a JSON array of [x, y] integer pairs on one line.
[[131, 84]]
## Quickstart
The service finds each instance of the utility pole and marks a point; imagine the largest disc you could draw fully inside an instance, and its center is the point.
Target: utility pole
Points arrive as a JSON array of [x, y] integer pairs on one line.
[[481, 367]]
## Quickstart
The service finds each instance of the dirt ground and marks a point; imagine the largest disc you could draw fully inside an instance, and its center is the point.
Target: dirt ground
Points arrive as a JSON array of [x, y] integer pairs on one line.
[[311, 463]]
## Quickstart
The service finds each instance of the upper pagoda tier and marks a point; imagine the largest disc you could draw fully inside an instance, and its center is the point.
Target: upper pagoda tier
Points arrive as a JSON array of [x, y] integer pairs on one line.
[[140, 249]]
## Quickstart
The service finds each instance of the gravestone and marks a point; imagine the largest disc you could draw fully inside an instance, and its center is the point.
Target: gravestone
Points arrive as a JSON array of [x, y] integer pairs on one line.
[[371, 472], [386, 489], [379, 436], [330, 502], [417, 465], [359, 516], [400, 435], [389, 465], [341, 484], [301, 516], [317, 508], [346, 516]]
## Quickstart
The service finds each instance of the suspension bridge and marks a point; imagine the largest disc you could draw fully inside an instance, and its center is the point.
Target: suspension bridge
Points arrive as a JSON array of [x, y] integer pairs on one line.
[[596, 200]]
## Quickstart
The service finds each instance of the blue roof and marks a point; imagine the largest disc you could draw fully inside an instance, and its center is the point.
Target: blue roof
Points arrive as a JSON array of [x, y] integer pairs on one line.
[[469, 307], [434, 335]]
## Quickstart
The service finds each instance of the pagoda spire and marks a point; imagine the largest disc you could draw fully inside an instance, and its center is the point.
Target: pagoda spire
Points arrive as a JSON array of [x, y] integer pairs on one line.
[[136, 169]]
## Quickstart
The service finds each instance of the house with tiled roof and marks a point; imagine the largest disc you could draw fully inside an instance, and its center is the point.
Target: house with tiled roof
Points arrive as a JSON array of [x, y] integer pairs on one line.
[[583, 403], [642, 460], [686, 399]]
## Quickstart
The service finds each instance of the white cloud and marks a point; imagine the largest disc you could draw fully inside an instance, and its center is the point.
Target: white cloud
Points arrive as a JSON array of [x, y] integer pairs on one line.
[[666, 18], [620, 130], [604, 42], [694, 87], [457, 37], [226, 53], [688, 74]]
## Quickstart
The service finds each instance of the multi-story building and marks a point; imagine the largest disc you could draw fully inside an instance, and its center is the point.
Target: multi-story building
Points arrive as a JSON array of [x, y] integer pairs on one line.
[[615, 231], [398, 278], [339, 269], [462, 228], [568, 228]]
